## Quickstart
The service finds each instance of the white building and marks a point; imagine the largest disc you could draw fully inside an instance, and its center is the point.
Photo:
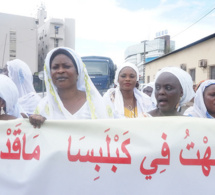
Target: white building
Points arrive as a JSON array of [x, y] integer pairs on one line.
[[53, 33], [196, 58], [30, 39], [146, 51], [18, 39]]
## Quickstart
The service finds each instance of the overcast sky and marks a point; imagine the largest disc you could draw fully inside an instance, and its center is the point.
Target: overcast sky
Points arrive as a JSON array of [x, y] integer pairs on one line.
[[108, 27]]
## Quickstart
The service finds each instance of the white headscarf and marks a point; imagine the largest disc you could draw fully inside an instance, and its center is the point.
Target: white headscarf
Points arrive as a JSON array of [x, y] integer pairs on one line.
[[126, 64], [151, 84], [9, 92], [51, 106], [144, 103], [199, 109], [21, 75], [185, 81]]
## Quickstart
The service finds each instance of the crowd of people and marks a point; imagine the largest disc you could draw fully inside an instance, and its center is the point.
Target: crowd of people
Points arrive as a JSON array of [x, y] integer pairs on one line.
[[70, 93]]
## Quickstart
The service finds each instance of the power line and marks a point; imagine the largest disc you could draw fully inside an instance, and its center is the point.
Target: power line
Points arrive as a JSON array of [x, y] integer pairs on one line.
[[194, 22]]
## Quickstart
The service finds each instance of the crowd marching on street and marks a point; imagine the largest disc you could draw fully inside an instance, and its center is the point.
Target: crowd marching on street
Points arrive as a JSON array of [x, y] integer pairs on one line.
[[70, 93]]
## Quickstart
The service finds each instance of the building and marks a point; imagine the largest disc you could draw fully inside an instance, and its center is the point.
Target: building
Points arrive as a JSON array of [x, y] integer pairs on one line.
[[53, 33], [30, 39], [18, 39], [196, 58], [148, 50]]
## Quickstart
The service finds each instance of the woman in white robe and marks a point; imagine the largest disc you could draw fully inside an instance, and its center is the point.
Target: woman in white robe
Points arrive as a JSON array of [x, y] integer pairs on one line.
[[204, 101], [126, 100], [21, 75], [9, 107], [173, 89], [70, 91]]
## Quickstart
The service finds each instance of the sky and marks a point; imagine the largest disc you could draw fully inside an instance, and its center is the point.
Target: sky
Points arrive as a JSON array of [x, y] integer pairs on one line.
[[109, 27]]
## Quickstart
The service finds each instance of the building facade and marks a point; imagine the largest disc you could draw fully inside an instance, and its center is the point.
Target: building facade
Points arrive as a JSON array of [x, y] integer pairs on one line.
[[147, 50], [18, 40], [30, 39], [198, 59], [53, 33]]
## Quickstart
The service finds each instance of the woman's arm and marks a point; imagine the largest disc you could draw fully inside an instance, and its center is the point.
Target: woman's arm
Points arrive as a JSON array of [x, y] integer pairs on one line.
[[36, 120]]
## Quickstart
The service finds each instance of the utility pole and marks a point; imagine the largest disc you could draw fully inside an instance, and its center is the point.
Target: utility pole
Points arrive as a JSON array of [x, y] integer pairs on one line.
[[144, 58]]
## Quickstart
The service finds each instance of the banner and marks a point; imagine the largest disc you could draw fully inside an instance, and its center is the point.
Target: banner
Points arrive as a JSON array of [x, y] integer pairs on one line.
[[160, 155]]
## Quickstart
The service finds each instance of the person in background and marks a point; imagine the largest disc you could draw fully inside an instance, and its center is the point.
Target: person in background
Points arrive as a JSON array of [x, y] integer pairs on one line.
[[21, 75], [187, 109], [198, 85], [204, 101], [70, 91], [173, 88], [126, 100], [148, 88], [9, 107]]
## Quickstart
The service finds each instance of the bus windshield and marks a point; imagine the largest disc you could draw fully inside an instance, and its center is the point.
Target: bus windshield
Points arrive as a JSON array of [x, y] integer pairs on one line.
[[97, 67]]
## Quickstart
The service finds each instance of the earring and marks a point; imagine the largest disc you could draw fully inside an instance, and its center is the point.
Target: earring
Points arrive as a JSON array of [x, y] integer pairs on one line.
[[2, 111], [178, 107]]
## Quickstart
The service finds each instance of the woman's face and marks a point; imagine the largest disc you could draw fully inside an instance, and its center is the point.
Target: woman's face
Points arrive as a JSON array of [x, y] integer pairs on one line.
[[167, 92], [148, 91], [63, 72], [209, 99], [127, 79]]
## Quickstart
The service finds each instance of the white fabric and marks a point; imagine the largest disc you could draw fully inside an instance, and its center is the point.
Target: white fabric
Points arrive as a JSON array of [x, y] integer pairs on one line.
[[151, 156], [9, 92], [185, 81], [52, 107], [29, 102], [114, 98], [151, 84], [199, 109], [21, 75]]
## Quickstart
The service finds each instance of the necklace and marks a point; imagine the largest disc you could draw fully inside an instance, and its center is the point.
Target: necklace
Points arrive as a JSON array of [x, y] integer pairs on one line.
[[132, 105]]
